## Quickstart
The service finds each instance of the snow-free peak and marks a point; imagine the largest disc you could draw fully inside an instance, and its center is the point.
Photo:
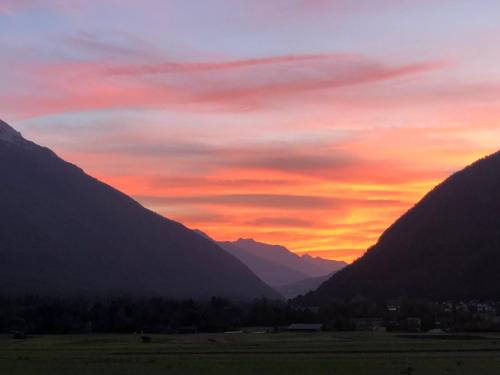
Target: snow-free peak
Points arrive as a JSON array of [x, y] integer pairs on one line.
[[9, 134]]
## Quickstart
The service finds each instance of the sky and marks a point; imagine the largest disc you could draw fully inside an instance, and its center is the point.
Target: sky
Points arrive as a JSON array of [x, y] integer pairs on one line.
[[308, 123]]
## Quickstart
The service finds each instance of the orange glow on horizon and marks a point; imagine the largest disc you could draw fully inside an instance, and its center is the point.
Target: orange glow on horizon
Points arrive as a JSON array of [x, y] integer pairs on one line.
[[335, 219]]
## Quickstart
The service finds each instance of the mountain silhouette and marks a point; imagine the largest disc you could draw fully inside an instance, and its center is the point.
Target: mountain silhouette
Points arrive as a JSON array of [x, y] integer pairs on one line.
[[278, 266], [446, 247], [64, 233], [322, 266], [271, 272], [310, 266]]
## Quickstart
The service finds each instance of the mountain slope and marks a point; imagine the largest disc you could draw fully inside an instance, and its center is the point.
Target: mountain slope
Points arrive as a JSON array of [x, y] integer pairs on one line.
[[271, 273], [447, 246], [327, 266], [304, 286], [311, 267], [63, 232], [279, 267]]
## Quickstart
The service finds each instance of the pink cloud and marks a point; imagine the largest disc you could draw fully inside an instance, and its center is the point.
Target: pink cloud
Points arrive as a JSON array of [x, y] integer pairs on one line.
[[170, 67], [326, 77], [225, 85]]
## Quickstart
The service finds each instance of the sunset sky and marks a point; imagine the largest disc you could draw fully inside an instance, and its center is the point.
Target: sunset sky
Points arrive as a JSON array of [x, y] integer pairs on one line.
[[308, 123]]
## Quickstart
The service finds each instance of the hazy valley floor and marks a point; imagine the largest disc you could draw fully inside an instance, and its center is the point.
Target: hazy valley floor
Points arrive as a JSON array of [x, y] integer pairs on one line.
[[285, 353]]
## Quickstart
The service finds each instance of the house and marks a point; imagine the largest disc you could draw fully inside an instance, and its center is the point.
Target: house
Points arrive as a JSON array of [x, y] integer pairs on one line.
[[393, 306], [368, 324], [305, 327]]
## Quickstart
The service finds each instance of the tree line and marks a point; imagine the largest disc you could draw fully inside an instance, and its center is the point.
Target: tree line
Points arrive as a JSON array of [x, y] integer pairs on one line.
[[41, 315]]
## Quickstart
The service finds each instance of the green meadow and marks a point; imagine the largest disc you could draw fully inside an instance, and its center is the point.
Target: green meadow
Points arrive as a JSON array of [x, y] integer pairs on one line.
[[239, 354]]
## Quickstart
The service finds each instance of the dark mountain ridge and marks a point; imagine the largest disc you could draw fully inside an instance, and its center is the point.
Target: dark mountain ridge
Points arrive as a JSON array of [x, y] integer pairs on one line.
[[64, 233], [446, 247]]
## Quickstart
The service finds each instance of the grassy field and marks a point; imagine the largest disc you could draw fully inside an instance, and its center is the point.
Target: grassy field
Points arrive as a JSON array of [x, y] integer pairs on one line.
[[240, 354]]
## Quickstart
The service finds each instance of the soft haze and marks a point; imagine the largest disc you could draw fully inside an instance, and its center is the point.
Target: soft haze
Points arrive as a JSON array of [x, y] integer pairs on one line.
[[309, 123]]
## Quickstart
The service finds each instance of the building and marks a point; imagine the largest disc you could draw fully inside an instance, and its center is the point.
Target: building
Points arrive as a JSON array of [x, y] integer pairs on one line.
[[305, 327]]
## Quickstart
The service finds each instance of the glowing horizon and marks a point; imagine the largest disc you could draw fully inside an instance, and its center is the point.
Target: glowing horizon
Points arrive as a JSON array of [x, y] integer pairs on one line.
[[281, 121]]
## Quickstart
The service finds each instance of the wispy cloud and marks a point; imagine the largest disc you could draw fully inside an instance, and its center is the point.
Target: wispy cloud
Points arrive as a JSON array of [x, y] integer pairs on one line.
[[173, 67], [111, 47], [233, 85]]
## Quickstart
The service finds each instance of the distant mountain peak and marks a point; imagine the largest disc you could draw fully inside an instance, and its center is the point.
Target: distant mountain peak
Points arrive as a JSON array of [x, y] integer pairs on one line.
[[277, 265]]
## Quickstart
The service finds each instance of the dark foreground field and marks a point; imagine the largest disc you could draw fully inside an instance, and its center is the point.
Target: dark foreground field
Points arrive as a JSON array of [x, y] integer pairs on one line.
[[239, 354]]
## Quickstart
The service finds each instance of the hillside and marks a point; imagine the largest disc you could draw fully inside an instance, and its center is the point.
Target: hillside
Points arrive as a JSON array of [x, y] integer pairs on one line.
[[446, 247], [272, 273], [304, 286], [64, 233], [278, 266], [310, 266]]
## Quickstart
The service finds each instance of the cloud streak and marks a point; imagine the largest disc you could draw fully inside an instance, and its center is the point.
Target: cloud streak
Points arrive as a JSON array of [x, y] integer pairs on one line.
[[176, 67], [233, 85]]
